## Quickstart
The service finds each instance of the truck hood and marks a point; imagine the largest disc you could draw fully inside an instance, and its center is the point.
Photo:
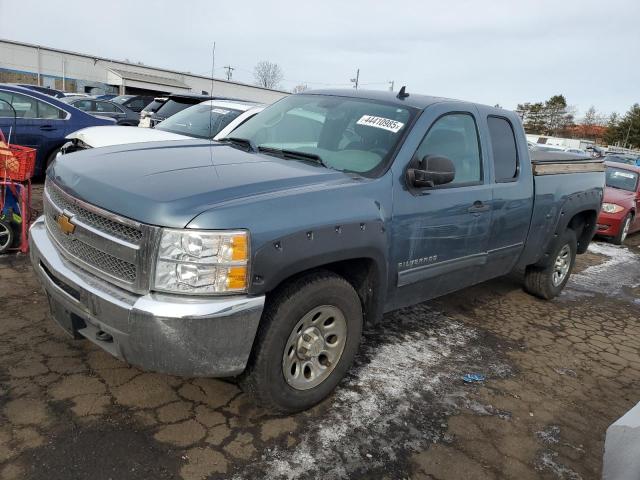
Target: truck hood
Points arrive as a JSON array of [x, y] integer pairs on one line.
[[118, 135], [170, 183], [618, 196]]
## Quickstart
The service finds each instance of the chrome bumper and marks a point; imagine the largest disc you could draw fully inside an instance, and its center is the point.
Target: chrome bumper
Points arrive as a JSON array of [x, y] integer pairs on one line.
[[188, 336]]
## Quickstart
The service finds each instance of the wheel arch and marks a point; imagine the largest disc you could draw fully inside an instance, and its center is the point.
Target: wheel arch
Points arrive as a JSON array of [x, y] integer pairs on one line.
[[584, 223]]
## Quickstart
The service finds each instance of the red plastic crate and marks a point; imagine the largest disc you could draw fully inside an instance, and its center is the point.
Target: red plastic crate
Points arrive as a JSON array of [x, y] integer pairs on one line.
[[16, 162]]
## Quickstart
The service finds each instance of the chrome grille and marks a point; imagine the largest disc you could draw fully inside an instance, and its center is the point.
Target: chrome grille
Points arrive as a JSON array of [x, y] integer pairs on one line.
[[98, 259], [113, 247], [124, 232]]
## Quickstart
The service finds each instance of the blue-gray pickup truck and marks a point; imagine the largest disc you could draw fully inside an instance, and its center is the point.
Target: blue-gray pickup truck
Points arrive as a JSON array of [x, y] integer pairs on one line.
[[262, 256]]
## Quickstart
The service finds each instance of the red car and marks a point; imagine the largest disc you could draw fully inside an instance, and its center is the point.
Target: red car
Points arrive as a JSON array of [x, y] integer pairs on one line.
[[619, 214]]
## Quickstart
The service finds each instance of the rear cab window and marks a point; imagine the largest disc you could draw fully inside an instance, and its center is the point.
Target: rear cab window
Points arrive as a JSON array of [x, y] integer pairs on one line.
[[504, 147]]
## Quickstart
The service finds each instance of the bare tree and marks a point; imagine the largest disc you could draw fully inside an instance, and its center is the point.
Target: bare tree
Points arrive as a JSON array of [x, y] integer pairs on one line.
[[267, 74]]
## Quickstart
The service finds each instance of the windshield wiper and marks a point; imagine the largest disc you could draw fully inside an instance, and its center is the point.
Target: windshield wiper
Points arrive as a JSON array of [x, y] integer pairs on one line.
[[240, 142], [294, 154]]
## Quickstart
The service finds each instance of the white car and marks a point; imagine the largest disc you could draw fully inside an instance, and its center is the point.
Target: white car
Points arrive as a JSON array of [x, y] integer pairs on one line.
[[212, 119]]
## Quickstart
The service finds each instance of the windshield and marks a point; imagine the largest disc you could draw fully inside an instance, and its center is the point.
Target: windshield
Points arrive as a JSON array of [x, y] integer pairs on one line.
[[200, 121], [622, 179], [173, 106], [346, 134], [153, 106], [121, 98]]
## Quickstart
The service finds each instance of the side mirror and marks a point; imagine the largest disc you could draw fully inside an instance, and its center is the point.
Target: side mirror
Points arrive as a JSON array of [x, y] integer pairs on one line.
[[432, 170]]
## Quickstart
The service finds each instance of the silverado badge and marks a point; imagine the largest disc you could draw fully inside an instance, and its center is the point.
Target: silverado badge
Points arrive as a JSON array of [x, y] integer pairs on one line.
[[65, 224]]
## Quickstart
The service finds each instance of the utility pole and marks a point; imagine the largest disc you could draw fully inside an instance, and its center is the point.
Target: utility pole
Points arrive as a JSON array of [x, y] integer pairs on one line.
[[213, 65], [391, 85], [230, 70], [356, 80]]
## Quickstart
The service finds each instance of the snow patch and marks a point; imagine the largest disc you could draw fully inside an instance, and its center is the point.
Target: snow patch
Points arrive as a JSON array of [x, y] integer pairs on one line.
[[619, 272], [390, 404]]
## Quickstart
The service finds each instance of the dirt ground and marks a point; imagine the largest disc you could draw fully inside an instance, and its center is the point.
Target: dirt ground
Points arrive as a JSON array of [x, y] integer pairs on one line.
[[557, 374]]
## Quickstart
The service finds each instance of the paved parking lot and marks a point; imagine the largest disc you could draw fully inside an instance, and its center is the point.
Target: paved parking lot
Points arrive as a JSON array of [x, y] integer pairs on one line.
[[557, 374]]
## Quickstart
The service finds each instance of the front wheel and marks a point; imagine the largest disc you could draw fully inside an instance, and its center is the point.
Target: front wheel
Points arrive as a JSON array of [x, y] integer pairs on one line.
[[6, 236], [308, 337], [624, 230], [547, 282]]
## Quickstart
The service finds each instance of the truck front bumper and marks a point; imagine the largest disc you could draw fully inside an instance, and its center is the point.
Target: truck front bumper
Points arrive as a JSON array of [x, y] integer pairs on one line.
[[178, 335]]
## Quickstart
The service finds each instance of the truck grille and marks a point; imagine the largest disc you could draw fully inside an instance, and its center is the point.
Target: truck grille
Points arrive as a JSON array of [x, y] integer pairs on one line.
[[116, 229], [105, 244], [92, 256]]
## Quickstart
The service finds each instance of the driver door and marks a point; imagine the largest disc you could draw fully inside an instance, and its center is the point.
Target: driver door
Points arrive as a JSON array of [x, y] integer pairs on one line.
[[441, 233]]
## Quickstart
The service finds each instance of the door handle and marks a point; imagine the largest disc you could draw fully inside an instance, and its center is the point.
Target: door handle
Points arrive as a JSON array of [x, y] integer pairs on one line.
[[47, 128], [478, 207]]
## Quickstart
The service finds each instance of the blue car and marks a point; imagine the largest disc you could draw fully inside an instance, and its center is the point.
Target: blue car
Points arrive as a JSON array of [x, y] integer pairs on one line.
[[42, 121]]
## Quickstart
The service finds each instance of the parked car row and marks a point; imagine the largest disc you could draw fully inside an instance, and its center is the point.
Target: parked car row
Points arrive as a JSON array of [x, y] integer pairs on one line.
[[55, 123], [122, 114], [40, 121], [212, 119]]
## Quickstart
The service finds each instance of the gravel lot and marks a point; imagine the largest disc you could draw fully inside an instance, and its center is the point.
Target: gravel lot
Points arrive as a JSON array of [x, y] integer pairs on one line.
[[557, 374]]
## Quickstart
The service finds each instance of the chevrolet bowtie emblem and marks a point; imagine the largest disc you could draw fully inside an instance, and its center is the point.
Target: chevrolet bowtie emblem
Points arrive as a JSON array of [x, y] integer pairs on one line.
[[65, 224]]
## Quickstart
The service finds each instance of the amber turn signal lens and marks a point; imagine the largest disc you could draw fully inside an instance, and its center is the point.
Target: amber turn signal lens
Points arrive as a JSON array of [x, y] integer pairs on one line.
[[237, 278], [240, 248]]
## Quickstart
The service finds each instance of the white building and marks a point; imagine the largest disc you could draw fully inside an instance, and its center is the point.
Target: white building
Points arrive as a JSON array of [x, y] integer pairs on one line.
[[79, 72]]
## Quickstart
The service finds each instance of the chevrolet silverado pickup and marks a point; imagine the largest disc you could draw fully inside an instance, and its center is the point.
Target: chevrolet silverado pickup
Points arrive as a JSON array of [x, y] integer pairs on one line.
[[261, 256]]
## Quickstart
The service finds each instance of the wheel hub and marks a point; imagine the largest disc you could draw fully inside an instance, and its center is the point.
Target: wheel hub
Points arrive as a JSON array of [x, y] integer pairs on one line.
[[310, 343], [561, 265]]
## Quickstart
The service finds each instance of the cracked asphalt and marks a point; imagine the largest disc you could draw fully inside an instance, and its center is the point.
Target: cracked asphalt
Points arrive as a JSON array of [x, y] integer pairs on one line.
[[557, 374]]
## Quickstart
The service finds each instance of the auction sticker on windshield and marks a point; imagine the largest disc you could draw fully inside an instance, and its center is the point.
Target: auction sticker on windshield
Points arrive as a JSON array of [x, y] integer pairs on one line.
[[380, 122]]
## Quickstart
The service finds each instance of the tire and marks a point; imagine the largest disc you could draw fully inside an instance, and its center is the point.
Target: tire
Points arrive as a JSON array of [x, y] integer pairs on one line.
[[312, 301], [6, 236], [624, 230], [541, 281]]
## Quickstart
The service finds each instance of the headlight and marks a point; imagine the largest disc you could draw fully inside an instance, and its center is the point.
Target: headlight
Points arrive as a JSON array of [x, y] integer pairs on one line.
[[611, 208], [202, 262]]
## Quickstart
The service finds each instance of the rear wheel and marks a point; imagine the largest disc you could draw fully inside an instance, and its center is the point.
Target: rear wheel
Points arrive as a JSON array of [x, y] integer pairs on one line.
[[308, 337], [547, 282], [624, 230]]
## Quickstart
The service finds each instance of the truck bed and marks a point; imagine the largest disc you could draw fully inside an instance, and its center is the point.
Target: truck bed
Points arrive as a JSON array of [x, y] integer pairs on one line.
[[564, 183]]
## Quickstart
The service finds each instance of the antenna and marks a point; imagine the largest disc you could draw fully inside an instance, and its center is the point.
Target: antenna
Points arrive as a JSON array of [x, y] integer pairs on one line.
[[402, 94], [213, 67]]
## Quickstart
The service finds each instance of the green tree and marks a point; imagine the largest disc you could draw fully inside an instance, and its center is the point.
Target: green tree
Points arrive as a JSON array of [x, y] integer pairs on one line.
[[611, 134], [629, 128], [533, 117], [557, 116]]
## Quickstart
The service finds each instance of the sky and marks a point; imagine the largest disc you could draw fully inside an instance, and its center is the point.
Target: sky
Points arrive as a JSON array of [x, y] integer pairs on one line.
[[492, 51]]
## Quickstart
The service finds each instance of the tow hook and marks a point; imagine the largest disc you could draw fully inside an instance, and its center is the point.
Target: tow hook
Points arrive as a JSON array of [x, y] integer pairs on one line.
[[104, 336]]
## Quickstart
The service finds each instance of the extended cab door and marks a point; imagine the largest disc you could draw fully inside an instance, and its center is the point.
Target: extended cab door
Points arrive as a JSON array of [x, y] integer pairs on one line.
[[440, 234], [512, 204]]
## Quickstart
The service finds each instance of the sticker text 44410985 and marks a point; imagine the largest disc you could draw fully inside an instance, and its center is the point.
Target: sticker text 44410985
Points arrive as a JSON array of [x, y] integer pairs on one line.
[[380, 122]]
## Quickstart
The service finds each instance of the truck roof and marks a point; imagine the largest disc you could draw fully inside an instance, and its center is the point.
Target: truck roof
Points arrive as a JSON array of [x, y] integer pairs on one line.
[[413, 100]]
